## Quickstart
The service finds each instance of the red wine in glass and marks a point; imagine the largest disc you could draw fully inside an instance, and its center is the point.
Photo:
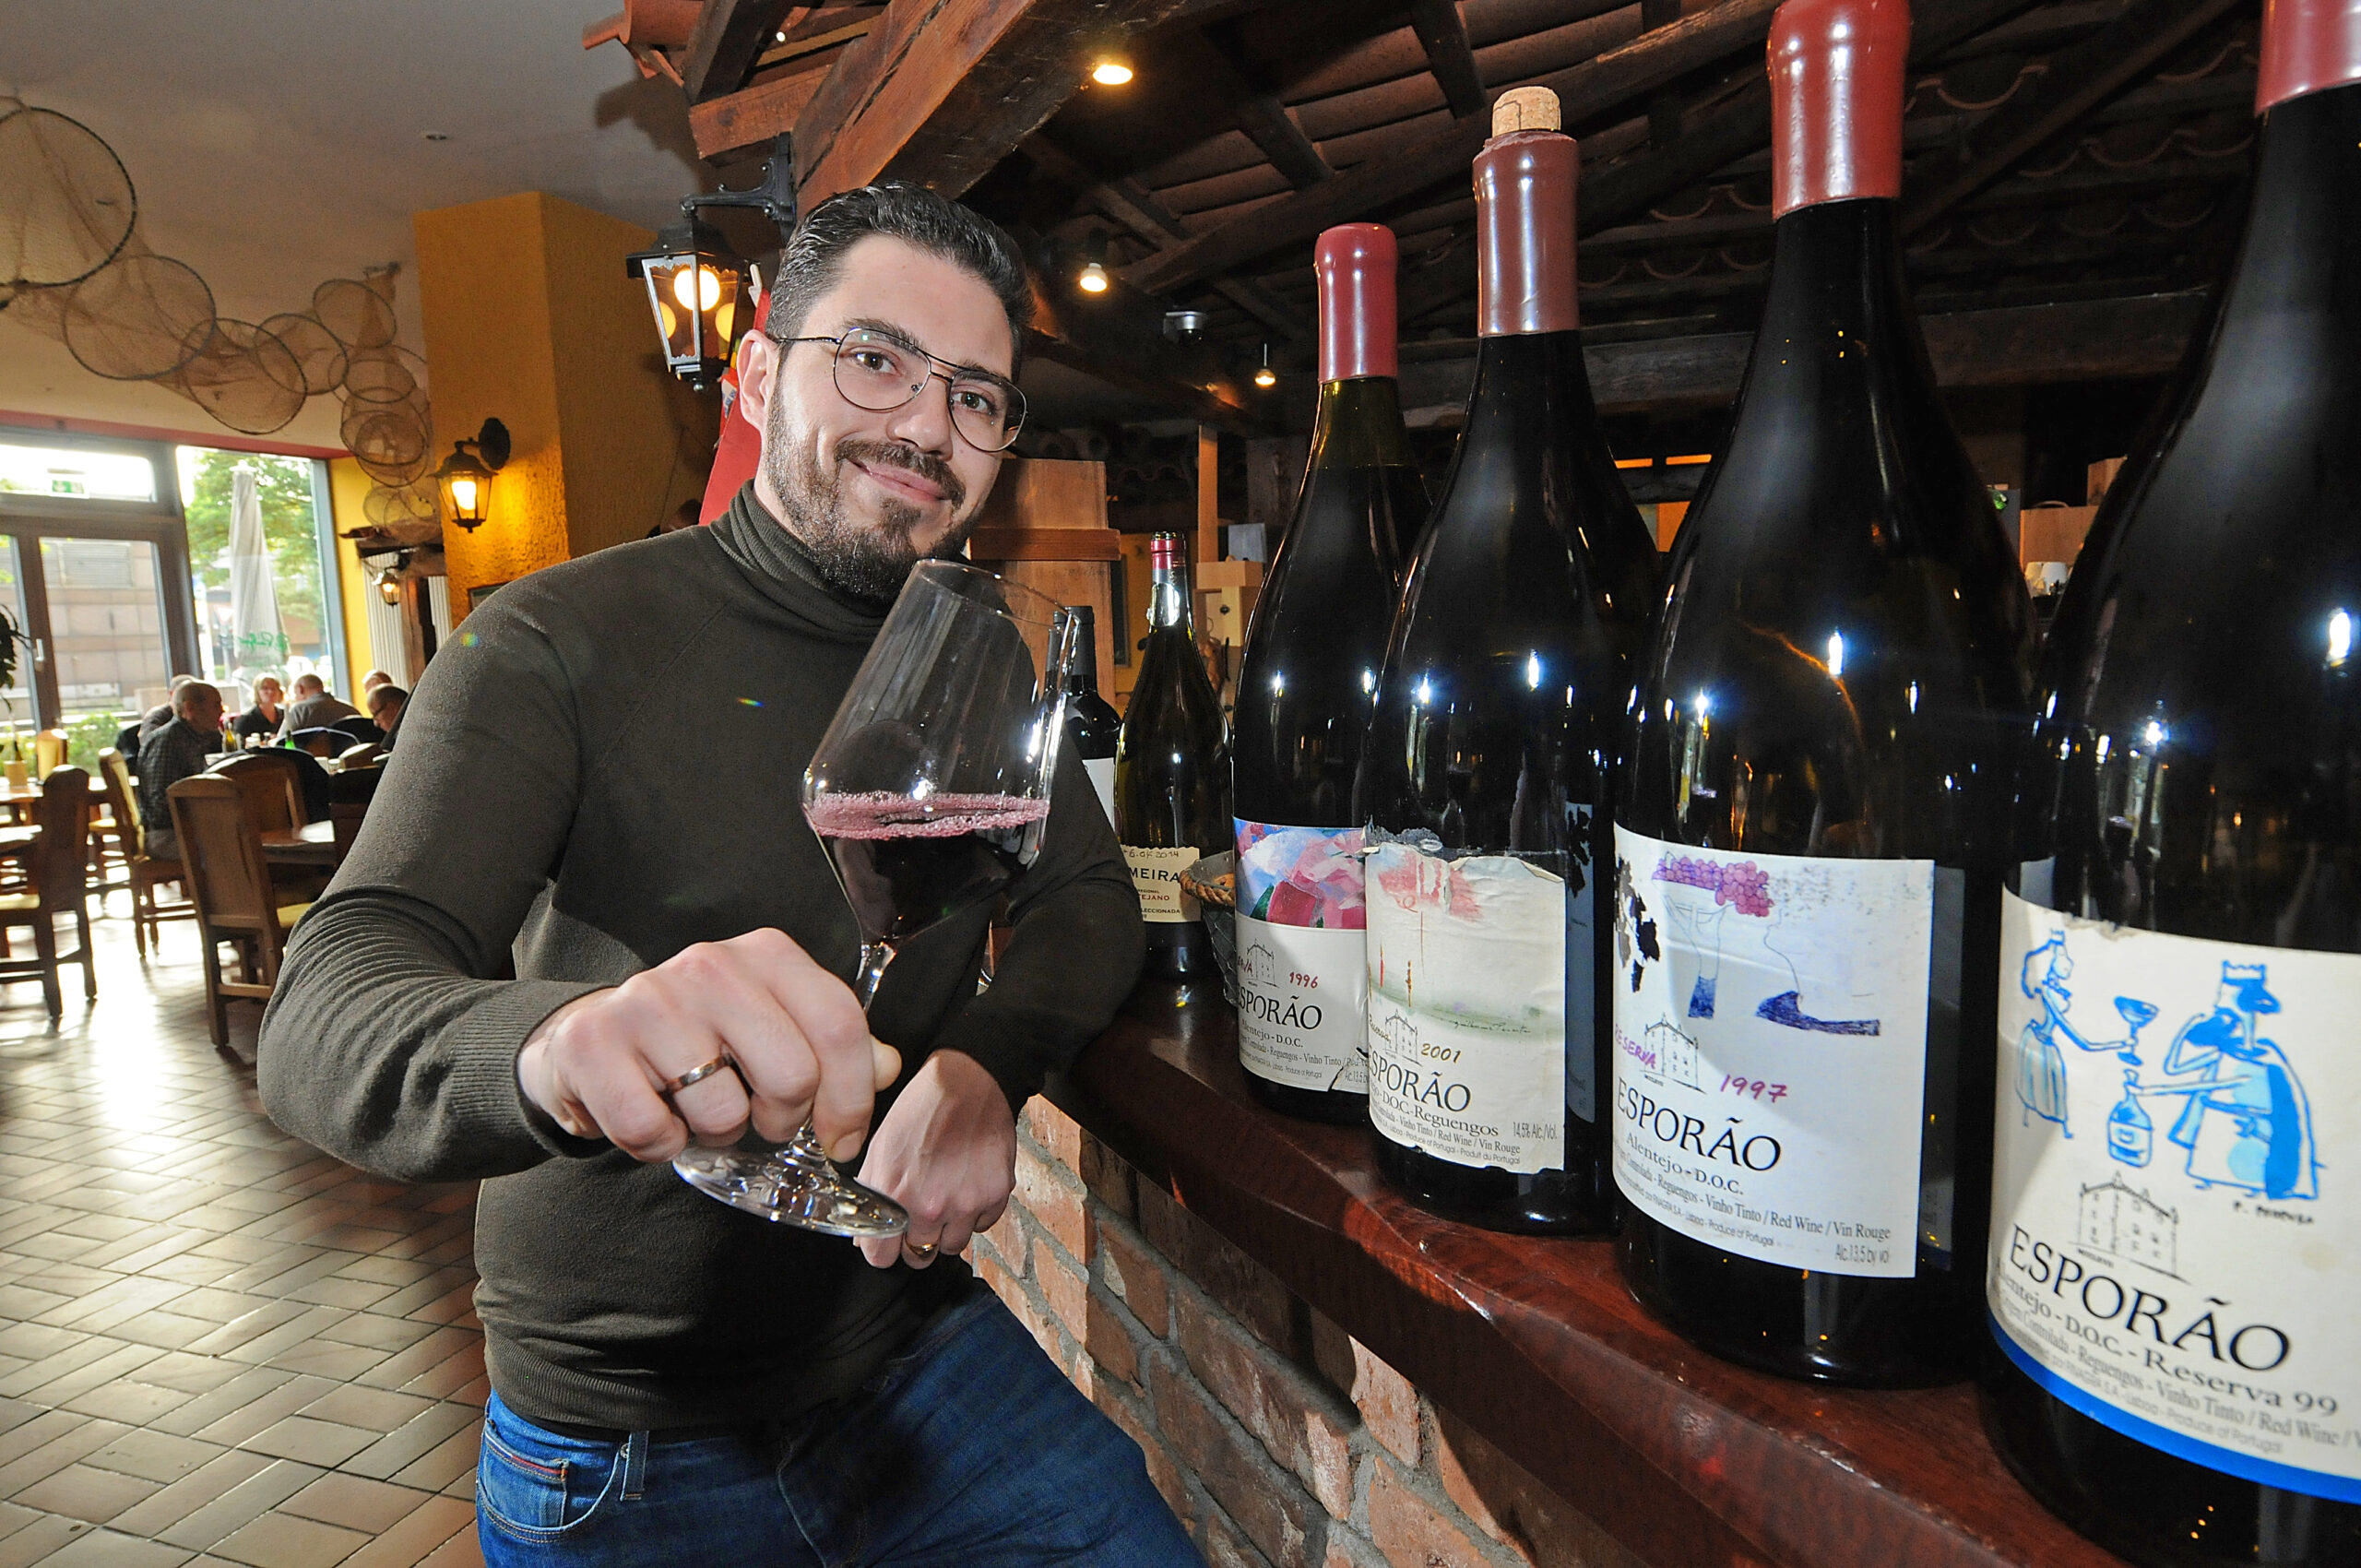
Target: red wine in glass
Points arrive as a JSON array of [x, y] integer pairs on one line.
[[908, 864], [930, 790]]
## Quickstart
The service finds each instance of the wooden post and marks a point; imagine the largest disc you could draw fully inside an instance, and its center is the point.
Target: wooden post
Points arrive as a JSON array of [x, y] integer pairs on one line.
[[1208, 495]]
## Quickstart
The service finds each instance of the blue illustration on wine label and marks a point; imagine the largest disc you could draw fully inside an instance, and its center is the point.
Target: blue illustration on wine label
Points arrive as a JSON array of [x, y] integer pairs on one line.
[[1776, 1019], [2166, 1256], [1300, 914], [2244, 1120]]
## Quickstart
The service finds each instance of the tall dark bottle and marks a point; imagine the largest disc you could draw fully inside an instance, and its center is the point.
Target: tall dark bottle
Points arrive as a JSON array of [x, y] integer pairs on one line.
[[1305, 688], [2178, 1169], [1172, 771], [1485, 774], [1092, 726], [1811, 837]]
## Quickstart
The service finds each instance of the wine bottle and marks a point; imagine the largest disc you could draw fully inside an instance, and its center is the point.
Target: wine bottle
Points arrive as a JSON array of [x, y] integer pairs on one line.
[[2174, 1221], [1810, 838], [1092, 726], [1172, 771], [1485, 778], [1306, 682]]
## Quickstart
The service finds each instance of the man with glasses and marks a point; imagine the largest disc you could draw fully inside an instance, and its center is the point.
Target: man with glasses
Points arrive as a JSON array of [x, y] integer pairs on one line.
[[600, 786]]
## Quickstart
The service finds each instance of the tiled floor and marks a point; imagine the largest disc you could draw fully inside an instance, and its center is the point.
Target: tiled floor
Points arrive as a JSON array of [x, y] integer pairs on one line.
[[216, 1345]]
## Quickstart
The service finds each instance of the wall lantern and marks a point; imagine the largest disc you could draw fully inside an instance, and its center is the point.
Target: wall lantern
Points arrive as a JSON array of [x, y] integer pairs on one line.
[[465, 478], [389, 582], [702, 292]]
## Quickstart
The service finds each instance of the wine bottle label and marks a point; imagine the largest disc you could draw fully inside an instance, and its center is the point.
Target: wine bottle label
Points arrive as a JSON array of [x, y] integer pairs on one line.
[[1300, 956], [1771, 1050], [1466, 1029], [1156, 875], [1102, 773], [2169, 1254]]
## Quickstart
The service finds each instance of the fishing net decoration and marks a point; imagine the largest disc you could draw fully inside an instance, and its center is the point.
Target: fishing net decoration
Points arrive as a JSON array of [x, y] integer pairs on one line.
[[66, 203], [359, 316], [243, 376], [140, 319], [315, 347], [74, 267]]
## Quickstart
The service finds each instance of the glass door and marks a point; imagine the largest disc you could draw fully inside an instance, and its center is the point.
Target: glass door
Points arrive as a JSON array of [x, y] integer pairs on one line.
[[107, 653]]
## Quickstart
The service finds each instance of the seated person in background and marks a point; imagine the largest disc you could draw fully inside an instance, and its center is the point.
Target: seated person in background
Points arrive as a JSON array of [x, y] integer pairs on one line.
[[372, 681], [269, 709], [314, 707], [156, 717], [385, 704], [176, 750]]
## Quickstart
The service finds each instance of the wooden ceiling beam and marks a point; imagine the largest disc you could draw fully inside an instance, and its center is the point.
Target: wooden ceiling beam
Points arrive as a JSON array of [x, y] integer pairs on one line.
[[2079, 79], [1120, 342], [1137, 208], [940, 90], [1588, 91], [1445, 38], [730, 35], [1207, 58]]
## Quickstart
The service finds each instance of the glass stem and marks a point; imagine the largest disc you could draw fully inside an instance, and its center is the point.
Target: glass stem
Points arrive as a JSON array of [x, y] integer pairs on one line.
[[874, 956]]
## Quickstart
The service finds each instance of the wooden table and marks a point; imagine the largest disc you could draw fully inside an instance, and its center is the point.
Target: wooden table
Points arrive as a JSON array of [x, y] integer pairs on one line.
[[314, 844], [30, 795], [1534, 1342]]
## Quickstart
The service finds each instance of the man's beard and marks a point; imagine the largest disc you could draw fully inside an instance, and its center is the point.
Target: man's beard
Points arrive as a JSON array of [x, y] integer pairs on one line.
[[866, 562]]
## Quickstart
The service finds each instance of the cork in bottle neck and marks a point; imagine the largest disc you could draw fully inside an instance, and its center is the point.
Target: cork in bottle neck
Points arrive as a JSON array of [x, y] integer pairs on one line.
[[1836, 82], [2307, 47], [1525, 219]]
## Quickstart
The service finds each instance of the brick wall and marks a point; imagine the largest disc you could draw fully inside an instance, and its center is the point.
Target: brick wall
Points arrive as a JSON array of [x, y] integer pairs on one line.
[[1278, 1438]]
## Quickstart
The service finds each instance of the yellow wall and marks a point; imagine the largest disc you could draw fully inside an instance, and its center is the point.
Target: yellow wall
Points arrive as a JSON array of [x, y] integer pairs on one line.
[[348, 488], [528, 318]]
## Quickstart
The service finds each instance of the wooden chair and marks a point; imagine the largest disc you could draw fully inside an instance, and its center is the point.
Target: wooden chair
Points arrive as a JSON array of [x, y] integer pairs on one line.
[[230, 881], [60, 865], [270, 784], [49, 752], [144, 872]]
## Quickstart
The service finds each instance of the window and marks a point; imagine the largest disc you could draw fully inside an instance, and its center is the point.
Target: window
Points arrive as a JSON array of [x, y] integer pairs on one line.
[[75, 474], [300, 584]]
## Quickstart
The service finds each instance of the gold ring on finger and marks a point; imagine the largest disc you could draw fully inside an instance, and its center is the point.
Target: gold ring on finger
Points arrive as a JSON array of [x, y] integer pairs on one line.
[[697, 1074], [920, 1249]]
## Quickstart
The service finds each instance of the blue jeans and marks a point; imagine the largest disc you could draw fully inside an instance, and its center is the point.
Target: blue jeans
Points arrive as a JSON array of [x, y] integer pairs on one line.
[[969, 1449]]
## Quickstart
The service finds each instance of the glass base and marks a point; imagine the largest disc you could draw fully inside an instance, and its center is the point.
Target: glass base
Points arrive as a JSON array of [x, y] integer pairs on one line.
[[791, 1186]]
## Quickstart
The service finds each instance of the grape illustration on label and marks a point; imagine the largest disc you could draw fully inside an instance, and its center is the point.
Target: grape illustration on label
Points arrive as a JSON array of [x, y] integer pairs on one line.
[[1763, 1001]]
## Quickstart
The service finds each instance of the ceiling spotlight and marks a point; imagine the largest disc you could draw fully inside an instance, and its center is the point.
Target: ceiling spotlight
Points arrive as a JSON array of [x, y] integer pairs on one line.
[[1110, 70], [1092, 279], [1266, 376], [1181, 324]]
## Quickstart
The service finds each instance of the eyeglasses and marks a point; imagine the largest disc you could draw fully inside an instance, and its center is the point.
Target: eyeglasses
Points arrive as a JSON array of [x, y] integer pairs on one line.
[[877, 371]]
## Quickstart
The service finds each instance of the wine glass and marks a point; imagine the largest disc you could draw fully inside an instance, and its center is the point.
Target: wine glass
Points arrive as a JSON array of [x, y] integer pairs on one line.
[[930, 790]]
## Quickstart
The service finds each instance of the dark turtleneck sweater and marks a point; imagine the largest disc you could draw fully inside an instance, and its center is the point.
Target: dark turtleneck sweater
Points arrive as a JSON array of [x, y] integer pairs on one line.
[[604, 766]]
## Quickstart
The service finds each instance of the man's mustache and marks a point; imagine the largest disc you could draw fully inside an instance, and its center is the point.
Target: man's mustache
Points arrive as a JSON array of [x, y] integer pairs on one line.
[[901, 455]]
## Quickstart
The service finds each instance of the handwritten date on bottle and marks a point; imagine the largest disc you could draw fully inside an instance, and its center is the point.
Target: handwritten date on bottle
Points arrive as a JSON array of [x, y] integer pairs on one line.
[[1752, 1089]]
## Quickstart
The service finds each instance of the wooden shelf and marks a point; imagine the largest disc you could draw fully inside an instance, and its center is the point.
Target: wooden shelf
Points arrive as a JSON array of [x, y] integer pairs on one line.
[[1045, 544], [1536, 1343]]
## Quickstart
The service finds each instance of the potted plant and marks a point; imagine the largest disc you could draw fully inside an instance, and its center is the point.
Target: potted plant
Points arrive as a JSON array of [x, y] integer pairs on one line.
[[10, 639]]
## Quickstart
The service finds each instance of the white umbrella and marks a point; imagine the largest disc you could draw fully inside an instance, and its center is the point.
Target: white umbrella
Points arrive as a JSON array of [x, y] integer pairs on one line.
[[256, 640]]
